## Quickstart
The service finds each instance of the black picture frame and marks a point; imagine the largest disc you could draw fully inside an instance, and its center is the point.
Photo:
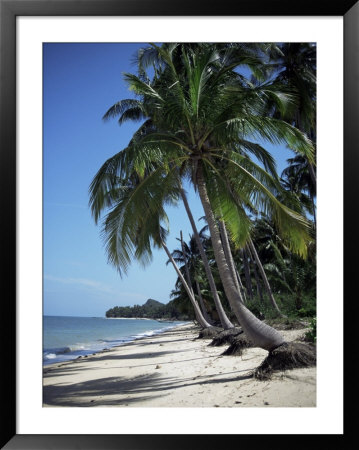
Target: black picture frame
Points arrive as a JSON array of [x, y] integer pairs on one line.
[[9, 10]]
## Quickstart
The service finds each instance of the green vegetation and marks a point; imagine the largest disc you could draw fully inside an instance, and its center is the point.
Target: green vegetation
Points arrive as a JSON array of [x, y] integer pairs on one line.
[[203, 123], [292, 279], [152, 309], [311, 336]]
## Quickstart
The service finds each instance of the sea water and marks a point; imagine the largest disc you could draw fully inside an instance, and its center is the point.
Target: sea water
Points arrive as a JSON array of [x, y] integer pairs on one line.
[[66, 338]]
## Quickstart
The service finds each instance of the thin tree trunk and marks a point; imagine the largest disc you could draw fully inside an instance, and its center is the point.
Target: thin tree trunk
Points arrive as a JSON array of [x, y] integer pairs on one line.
[[258, 332], [201, 320], [247, 274], [259, 290], [241, 286], [312, 174], [203, 306], [225, 322], [188, 276], [189, 282], [314, 214], [227, 252], [264, 276]]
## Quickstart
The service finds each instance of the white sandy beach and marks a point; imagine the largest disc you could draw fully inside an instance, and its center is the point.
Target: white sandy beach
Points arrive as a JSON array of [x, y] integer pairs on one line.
[[173, 369]]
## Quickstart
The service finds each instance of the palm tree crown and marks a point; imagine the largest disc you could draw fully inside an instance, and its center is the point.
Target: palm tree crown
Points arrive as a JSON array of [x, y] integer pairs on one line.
[[201, 119]]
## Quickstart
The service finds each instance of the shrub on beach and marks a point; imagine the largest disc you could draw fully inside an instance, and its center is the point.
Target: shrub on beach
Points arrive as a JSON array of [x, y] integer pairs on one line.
[[311, 336]]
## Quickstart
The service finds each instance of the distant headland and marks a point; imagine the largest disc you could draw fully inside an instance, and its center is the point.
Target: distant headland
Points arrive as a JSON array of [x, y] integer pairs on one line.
[[152, 309]]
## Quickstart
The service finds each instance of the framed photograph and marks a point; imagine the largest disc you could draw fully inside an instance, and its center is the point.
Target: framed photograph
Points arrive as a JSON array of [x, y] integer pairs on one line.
[[28, 31]]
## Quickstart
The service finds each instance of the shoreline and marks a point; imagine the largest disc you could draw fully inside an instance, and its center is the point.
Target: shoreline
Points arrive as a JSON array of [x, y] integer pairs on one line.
[[110, 349], [174, 369], [75, 354], [129, 318], [146, 318]]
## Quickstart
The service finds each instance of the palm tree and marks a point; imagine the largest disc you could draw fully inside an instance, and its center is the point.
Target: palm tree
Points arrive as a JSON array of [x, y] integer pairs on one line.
[[190, 259], [225, 322], [253, 251], [199, 113], [297, 179], [199, 315], [258, 284], [286, 272], [246, 272], [295, 66]]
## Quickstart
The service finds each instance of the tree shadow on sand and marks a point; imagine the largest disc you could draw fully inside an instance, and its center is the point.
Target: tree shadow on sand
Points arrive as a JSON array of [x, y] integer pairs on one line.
[[112, 391]]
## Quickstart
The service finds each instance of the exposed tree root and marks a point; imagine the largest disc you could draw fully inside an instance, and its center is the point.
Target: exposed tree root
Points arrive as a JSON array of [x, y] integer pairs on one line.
[[285, 357], [239, 343], [225, 337], [209, 333]]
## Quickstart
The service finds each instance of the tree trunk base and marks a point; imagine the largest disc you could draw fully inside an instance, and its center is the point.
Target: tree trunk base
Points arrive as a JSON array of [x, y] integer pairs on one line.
[[209, 333], [288, 356], [225, 337], [239, 343]]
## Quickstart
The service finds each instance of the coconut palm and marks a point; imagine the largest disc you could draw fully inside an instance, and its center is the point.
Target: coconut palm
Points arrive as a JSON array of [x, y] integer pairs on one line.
[[297, 179], [225, 322], [287, 272], [192, 266], [258, 263], [198, 313], [139, 219], [199, 115], [295, 66]]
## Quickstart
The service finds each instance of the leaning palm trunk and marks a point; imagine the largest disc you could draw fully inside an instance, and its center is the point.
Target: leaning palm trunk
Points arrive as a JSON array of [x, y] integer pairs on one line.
[[188, 276], [258, 332], [189, 282], [259, 289], [264, 276], [201, 320], [225, 322], [228, 253], [203, 306], [241, 285], [247, 274]]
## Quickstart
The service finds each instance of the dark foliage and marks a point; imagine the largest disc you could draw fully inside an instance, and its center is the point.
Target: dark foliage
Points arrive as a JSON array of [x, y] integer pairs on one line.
[[152, 309]]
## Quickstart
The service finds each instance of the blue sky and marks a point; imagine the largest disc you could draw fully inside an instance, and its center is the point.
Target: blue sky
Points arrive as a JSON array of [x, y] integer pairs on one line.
[[81, 81]]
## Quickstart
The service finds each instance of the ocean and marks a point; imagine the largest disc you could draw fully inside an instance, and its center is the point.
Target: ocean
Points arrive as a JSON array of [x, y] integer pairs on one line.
[[66, 338]]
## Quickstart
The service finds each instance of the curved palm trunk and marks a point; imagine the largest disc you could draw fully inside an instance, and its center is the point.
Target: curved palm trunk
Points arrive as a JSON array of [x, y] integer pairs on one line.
[[241, 285], [225, 322], [201, 320], [259, 289], [264, 276], [189, 282], [188, 276], [203, 306], [258, 332], [247, 274], [228, 253]]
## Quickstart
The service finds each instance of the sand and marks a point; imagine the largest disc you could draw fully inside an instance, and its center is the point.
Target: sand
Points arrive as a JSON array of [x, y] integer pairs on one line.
[[174, 369]]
